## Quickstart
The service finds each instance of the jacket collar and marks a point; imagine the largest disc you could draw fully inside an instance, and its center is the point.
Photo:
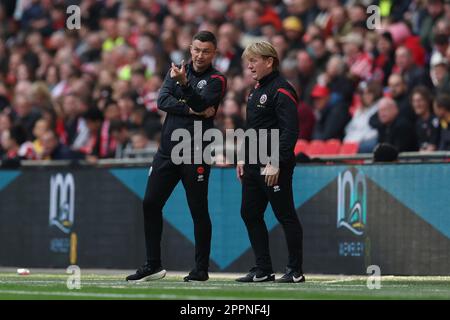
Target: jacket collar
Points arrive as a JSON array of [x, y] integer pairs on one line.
[[190, 67], [267, 78]]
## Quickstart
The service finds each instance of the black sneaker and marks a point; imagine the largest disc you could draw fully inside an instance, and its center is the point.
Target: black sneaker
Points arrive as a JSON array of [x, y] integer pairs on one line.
[[291, 276], [257, 275], [197, 275], [147, 273]]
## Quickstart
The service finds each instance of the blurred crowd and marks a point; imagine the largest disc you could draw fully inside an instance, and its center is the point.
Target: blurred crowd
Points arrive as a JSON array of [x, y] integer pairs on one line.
[[91, 93]]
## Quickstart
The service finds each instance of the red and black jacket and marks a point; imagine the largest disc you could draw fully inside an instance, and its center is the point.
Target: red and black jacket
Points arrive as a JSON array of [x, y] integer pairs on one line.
[[272, 104], [203, 90]]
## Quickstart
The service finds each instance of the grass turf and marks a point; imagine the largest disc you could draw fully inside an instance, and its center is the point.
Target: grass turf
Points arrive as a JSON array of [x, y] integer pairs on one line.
[[107, 286]]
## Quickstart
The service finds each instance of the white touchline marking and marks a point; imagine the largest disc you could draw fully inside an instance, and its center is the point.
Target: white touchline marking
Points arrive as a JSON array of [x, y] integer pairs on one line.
[[86, 294], [109, 295]]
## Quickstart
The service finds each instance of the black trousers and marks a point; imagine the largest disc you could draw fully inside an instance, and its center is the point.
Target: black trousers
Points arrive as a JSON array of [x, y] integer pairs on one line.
[[255, 197], [162, 180]]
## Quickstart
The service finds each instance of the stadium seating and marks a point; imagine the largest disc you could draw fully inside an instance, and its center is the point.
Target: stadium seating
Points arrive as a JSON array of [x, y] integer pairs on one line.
[[301, 146], [349, 148], [328, 147], [332, 146], [316, 148]]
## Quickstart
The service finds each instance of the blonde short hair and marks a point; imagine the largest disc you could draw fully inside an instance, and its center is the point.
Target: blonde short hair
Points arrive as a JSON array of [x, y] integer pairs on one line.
[[263, 49]]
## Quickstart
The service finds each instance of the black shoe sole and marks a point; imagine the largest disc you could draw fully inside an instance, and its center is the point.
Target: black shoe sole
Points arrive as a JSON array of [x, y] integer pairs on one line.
[[251, 280], [152, 277], [290, 281], [186, 279]]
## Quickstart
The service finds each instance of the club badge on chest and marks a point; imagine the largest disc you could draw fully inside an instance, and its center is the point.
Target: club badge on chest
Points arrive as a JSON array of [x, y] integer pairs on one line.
[[262, 101]]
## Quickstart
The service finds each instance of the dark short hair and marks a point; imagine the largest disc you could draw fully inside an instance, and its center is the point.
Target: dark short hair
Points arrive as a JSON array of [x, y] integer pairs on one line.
[[425, 93], [388, 36], [440, 39], [443, 101], [93, 114], [139, 70], [118, 125], [18, 134], [205, 36], [385, 152]]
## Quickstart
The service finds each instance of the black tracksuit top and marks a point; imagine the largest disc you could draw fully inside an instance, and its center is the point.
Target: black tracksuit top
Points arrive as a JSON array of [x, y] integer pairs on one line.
[[272, 104], [203, 90]]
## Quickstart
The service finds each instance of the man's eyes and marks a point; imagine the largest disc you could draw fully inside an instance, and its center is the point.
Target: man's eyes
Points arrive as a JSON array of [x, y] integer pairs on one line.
[[198, 51]]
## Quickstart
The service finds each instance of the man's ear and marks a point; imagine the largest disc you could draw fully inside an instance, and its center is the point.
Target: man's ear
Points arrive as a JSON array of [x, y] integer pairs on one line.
[[270, 62]]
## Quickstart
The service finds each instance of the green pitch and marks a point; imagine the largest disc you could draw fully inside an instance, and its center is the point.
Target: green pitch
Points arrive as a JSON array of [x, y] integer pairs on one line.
[[103, 286]]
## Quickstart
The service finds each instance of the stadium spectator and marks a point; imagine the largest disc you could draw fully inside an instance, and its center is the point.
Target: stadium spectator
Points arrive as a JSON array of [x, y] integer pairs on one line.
[[6, 121], [394, 129], [331, 119], [126, 105], [75, 132], [439, 74], [339, 24], [281, 44], [149, 122], [341, 87], [323, 15], [307, 75], [385, 57], [398, 91], [427, 124], [442, 110], [228, 59], [434, 10], [306, 121], [4, 100], [358, 129], [358, 61], [120, 133], [15, 145], [95, 141], [41, 126], [141, 145], [305, 10], [289, 70], [25, 114], [292, 29], [411, 73], [40, 96], [37, 17], [52, 149], [319, 52], [440, 45]]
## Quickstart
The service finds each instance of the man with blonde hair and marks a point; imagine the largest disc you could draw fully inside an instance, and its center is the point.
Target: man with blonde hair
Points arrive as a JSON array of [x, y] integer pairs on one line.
[[272, 105]]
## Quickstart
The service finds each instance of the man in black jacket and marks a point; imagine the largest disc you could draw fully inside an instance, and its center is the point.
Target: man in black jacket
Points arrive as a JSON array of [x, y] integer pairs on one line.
[[271, 105], [331, 118], [189, 94], [394, 129]]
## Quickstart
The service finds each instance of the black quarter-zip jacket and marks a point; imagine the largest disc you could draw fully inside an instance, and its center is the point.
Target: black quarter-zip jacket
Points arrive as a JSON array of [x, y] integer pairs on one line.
[[272, 104], [203, 90]]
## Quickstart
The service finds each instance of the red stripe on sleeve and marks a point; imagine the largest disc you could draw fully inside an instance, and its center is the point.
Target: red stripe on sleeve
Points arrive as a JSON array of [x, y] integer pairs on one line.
[[221, 79], [288, 94]]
